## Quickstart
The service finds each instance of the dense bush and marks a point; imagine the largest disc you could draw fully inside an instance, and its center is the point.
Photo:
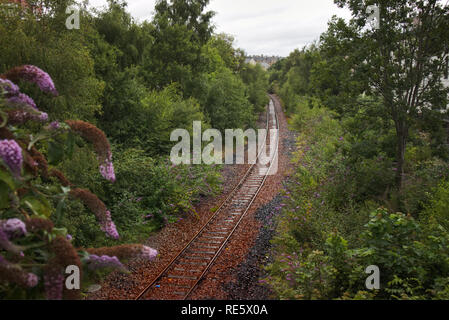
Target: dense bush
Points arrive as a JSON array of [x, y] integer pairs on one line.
[[366, 141], [257, 81], [413, 261], [330, 229], [35, 246], [148, 194], [226, 103]]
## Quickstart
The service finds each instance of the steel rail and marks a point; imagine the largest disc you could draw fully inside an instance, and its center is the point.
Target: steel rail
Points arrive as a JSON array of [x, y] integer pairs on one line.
[[226, 242]]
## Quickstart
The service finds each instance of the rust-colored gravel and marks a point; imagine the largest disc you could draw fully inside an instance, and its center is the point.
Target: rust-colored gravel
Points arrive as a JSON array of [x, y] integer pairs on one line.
[[169, 241], [174, 237]]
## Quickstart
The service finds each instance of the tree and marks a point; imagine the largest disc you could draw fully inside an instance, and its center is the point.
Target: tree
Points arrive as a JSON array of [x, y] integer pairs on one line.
[[188, 13], [180, 30], [331, 75], [232, 58], [255, 77], [227, 105], [404, 60]]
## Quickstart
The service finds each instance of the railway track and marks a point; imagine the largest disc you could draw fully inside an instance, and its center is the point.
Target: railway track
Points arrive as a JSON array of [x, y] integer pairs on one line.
[[186, 271]]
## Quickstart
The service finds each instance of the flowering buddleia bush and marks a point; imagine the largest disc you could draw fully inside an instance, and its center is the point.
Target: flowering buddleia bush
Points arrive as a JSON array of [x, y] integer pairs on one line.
[[35, 249]]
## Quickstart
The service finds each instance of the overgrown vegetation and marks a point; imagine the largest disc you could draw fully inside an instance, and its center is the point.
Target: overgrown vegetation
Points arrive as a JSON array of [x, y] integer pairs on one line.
[[356, 199], [137, 82]]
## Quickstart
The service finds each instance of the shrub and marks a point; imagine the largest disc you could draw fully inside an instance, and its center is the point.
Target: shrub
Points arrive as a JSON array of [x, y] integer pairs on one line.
[[413, 262], [438, 207], [330, 229], [35, 247]]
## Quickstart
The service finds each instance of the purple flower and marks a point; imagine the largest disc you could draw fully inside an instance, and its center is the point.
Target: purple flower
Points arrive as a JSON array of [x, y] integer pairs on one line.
[[96, 262], [13, 228], [11, 153], [111, 230], [43, 117], [22, 115], [69, 237], [148, 253], [107, 169], [55, 125], [53, 284], [32, 280], [35, 75], [9, 86], [22, 99], [108, 226]]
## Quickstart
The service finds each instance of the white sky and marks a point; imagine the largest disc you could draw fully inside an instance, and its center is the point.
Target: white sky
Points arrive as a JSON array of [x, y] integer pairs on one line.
[[270, 27]]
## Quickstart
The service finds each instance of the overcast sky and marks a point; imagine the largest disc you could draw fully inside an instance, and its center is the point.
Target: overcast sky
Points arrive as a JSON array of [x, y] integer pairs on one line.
[[270, 27]]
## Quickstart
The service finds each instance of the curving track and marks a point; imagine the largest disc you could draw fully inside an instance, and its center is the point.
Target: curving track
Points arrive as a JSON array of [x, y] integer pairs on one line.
[[184, 273]]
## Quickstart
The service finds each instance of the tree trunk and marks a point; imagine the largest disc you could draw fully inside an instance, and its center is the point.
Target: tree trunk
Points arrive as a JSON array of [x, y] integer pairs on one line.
[[402, 135]]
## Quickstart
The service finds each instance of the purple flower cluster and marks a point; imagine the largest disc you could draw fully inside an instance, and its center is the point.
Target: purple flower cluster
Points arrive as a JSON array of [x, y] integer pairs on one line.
[[10, 87], [17, 99], [107, 169], [53, 284], [11, 153], [22, 99], [37, 76], [13, 228], [97, 262], [32, 280], [148, 253], [55, 125], [108, 226], [43, 117]]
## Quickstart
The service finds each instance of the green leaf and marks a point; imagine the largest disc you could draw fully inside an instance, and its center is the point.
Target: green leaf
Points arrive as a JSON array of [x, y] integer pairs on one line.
[[7, 179], [59, 211], [4, 118], [65, 190], [39, 206], [60, 232], [34, 140], [70, 144], [55, 152], [4, 195]]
